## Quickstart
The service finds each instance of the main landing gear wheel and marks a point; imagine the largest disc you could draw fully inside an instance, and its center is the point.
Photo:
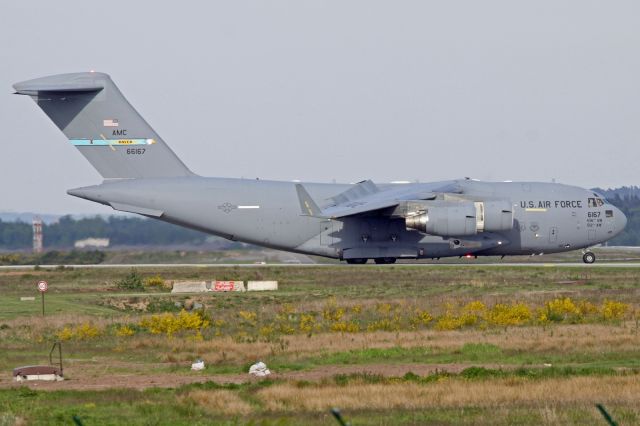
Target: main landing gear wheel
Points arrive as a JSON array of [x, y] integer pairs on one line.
[[357, 261], [385, 260], [588, 257]]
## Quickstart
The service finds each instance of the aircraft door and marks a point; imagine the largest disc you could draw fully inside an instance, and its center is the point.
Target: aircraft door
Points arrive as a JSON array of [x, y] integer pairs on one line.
[[553, 234], [609, 223]]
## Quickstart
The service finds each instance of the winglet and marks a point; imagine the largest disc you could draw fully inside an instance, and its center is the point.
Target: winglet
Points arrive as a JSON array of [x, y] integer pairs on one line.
[[307, 205]]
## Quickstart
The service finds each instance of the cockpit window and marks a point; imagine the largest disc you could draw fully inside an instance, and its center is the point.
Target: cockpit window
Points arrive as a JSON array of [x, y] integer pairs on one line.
[[595, 202], [602, 200]]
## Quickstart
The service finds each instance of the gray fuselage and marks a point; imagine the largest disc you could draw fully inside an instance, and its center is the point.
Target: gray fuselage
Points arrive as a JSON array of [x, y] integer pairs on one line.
[[547, 217]]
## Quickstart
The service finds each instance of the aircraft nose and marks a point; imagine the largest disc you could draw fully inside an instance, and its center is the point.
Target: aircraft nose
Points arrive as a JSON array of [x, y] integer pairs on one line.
[[621, 220]]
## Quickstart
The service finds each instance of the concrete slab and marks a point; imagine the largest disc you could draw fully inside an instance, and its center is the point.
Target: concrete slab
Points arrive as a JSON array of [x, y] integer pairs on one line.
[[189, 287], [262, 285]]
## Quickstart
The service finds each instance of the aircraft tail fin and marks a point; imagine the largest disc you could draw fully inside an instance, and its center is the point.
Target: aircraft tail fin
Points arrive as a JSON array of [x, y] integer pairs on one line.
[[92, 112]]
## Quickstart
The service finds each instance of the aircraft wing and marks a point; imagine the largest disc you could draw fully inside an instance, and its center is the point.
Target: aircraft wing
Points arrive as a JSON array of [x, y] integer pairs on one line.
[[364, 197], [358, 207]]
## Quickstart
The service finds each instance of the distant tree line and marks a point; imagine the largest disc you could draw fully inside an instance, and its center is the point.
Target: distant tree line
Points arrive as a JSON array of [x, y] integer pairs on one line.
[[54, 257], [129, 231], [627, 199]]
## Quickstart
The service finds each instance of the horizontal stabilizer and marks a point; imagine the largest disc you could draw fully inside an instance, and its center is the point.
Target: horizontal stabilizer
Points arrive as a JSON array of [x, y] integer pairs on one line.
[[135, 209], [78, 82]]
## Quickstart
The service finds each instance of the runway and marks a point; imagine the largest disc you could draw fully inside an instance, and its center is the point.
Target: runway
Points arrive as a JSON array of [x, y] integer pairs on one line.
[[333, 265]]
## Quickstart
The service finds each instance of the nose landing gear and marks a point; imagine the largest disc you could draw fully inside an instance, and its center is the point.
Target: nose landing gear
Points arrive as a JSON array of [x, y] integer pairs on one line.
[[588, 257]]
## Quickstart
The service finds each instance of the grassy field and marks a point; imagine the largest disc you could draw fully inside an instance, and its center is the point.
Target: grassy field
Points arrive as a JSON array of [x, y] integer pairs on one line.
[[387, 345]]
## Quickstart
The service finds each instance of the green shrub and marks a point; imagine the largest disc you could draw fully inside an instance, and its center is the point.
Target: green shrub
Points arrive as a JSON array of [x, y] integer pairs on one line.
[[133, 281], [480, 373], [163, 305]]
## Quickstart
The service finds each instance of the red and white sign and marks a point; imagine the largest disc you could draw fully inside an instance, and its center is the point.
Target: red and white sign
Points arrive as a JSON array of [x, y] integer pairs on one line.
[[42, 286], [224, 286]]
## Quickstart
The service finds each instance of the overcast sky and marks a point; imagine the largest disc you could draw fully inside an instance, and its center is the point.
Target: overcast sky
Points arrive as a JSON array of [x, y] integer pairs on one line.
[[335, 90]]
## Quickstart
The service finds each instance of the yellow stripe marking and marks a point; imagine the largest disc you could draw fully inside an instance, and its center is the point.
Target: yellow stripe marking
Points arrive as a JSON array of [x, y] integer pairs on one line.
[[536, 210]]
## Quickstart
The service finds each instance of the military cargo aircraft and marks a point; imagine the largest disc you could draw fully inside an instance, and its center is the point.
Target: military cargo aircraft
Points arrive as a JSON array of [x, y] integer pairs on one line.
[[350, 222]]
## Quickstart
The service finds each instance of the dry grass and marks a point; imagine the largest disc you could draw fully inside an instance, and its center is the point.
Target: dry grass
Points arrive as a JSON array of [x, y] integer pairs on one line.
[[8, 419], [39, 325], [219, 401], [456, 393], [556, 339], [586, 338], [36, 329]]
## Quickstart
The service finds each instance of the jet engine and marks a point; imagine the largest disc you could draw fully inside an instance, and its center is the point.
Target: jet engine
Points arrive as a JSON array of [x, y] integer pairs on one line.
[[460, 218], [444, 218]]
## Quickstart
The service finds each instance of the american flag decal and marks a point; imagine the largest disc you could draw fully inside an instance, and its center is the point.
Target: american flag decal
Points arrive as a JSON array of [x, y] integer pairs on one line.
[[112, 122]]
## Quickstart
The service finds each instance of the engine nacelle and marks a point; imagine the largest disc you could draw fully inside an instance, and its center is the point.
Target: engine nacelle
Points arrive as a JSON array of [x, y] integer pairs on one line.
[[444, 218], [459, 218], [494, 216]]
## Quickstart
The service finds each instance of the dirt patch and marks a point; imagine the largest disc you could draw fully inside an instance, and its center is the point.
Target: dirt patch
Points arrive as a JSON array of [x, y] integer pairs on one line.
[[127, 304], [15, 273]]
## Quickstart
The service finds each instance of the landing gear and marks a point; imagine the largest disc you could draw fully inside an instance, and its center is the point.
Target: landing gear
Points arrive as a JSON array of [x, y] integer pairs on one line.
[[357, 261], [384, 260], [588, 257]]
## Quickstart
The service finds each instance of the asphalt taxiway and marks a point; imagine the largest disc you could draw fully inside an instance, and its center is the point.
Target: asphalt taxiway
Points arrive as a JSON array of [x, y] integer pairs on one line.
[[328, 265]]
